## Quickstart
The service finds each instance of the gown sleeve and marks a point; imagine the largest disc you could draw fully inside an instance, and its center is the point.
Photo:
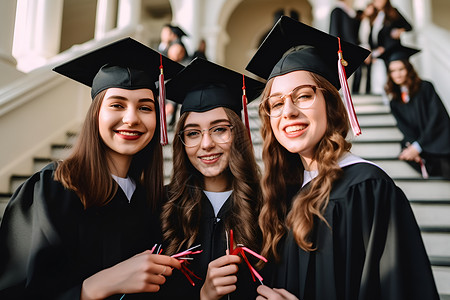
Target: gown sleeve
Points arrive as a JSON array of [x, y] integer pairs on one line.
[[34, 260], [380, 244], [435, 137]]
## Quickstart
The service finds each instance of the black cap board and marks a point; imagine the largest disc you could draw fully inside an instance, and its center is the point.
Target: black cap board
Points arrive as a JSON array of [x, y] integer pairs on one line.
[[398, 52], [203, 85], [294, 46], [177, 31], [126, 64]]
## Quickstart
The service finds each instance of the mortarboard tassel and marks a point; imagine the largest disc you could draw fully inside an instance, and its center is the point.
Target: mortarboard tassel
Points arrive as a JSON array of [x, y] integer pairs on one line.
[[423, 169], [244, 106], [346, 93], [241, 250], [162, 105]]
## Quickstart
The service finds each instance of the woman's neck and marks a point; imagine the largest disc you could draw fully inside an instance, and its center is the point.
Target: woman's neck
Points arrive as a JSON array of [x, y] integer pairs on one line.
[[216, 184], [119, 164], [308, 163]]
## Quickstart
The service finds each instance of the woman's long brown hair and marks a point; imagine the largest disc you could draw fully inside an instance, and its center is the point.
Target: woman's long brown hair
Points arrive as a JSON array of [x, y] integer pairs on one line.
[[412, 83], [391, 14], [283, 168], [181, 214], [86, 170]]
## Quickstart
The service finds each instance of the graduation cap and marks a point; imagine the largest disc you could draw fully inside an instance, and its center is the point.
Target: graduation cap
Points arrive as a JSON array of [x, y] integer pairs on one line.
[[294, 46], [398, 52], [203, 85], [125, 64], [177, 31], [318, 54]]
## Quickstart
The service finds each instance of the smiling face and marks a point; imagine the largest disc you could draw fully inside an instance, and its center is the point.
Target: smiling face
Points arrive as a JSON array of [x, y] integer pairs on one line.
[[398, 72], [298, 130], [127, 122], [208, 157]]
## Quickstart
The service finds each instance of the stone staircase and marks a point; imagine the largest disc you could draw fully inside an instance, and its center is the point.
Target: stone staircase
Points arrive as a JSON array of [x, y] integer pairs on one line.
[[379, 142]]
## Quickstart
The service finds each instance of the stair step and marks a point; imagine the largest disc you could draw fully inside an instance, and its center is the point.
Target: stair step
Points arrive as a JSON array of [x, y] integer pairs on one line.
[[39, 163], [379, 135], [381, 151], [441, 261], [396, 168], [442, 279], [432, 215], [437, 243], [429, 189], [16, 181], [371, 109], [376, 120], [4, 199], [71, 137], [60, 151]]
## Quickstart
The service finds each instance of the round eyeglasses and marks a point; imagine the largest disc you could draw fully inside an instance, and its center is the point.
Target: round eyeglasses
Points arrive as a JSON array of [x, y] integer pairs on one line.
[[219, 134], [302, 97]]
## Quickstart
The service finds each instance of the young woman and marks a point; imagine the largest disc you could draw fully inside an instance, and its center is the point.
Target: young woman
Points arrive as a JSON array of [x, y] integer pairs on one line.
[[336, 225], [387, 25], [215, 182], [421, 116], [82, 228]]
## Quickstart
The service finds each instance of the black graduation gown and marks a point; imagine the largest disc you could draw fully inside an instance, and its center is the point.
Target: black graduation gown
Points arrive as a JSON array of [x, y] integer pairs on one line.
[[49, 244], [213, 243], [344, 26], [384, 36], [424, 119], [373, 250]]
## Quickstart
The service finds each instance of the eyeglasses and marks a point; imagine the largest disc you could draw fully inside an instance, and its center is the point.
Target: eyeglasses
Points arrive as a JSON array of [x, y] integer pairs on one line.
[[302, 97], [219, 134]]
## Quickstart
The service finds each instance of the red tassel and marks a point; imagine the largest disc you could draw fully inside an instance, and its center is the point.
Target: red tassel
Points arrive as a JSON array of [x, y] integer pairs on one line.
[[244, 106], [423, 169], [346, 93], [241, 250], [162, 105]]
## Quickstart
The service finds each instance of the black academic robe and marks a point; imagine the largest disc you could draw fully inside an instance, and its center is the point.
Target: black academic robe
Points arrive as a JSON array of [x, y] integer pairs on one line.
[[344, 26], [384, 36], [49, 243], [424, 119], [373, 249], [214, 245]]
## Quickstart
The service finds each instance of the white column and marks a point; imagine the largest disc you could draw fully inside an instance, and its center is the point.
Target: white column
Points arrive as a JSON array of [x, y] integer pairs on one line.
[[105, 18], [7, 17], [422, 13], [38, 32], [129, 13], [321, 10], [8, 63], [187, 14]]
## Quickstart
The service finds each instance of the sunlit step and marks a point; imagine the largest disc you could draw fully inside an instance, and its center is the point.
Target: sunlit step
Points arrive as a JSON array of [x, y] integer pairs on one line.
[[397, 168], [376, 151], [383, 134], [437, 244], [425, 189], [442, 279], [432, 215], [371, 109], [377, 120]]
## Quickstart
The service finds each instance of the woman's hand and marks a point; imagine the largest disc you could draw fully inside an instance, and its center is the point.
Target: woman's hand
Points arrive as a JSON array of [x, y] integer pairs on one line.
[[266, 292], [220, 279], [144, 272], [410, 153], [396, 33]]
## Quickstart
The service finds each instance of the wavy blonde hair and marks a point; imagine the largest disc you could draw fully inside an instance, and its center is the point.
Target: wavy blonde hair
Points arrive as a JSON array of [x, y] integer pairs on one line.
[[283, 168], [86, 169], [181, 213]]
